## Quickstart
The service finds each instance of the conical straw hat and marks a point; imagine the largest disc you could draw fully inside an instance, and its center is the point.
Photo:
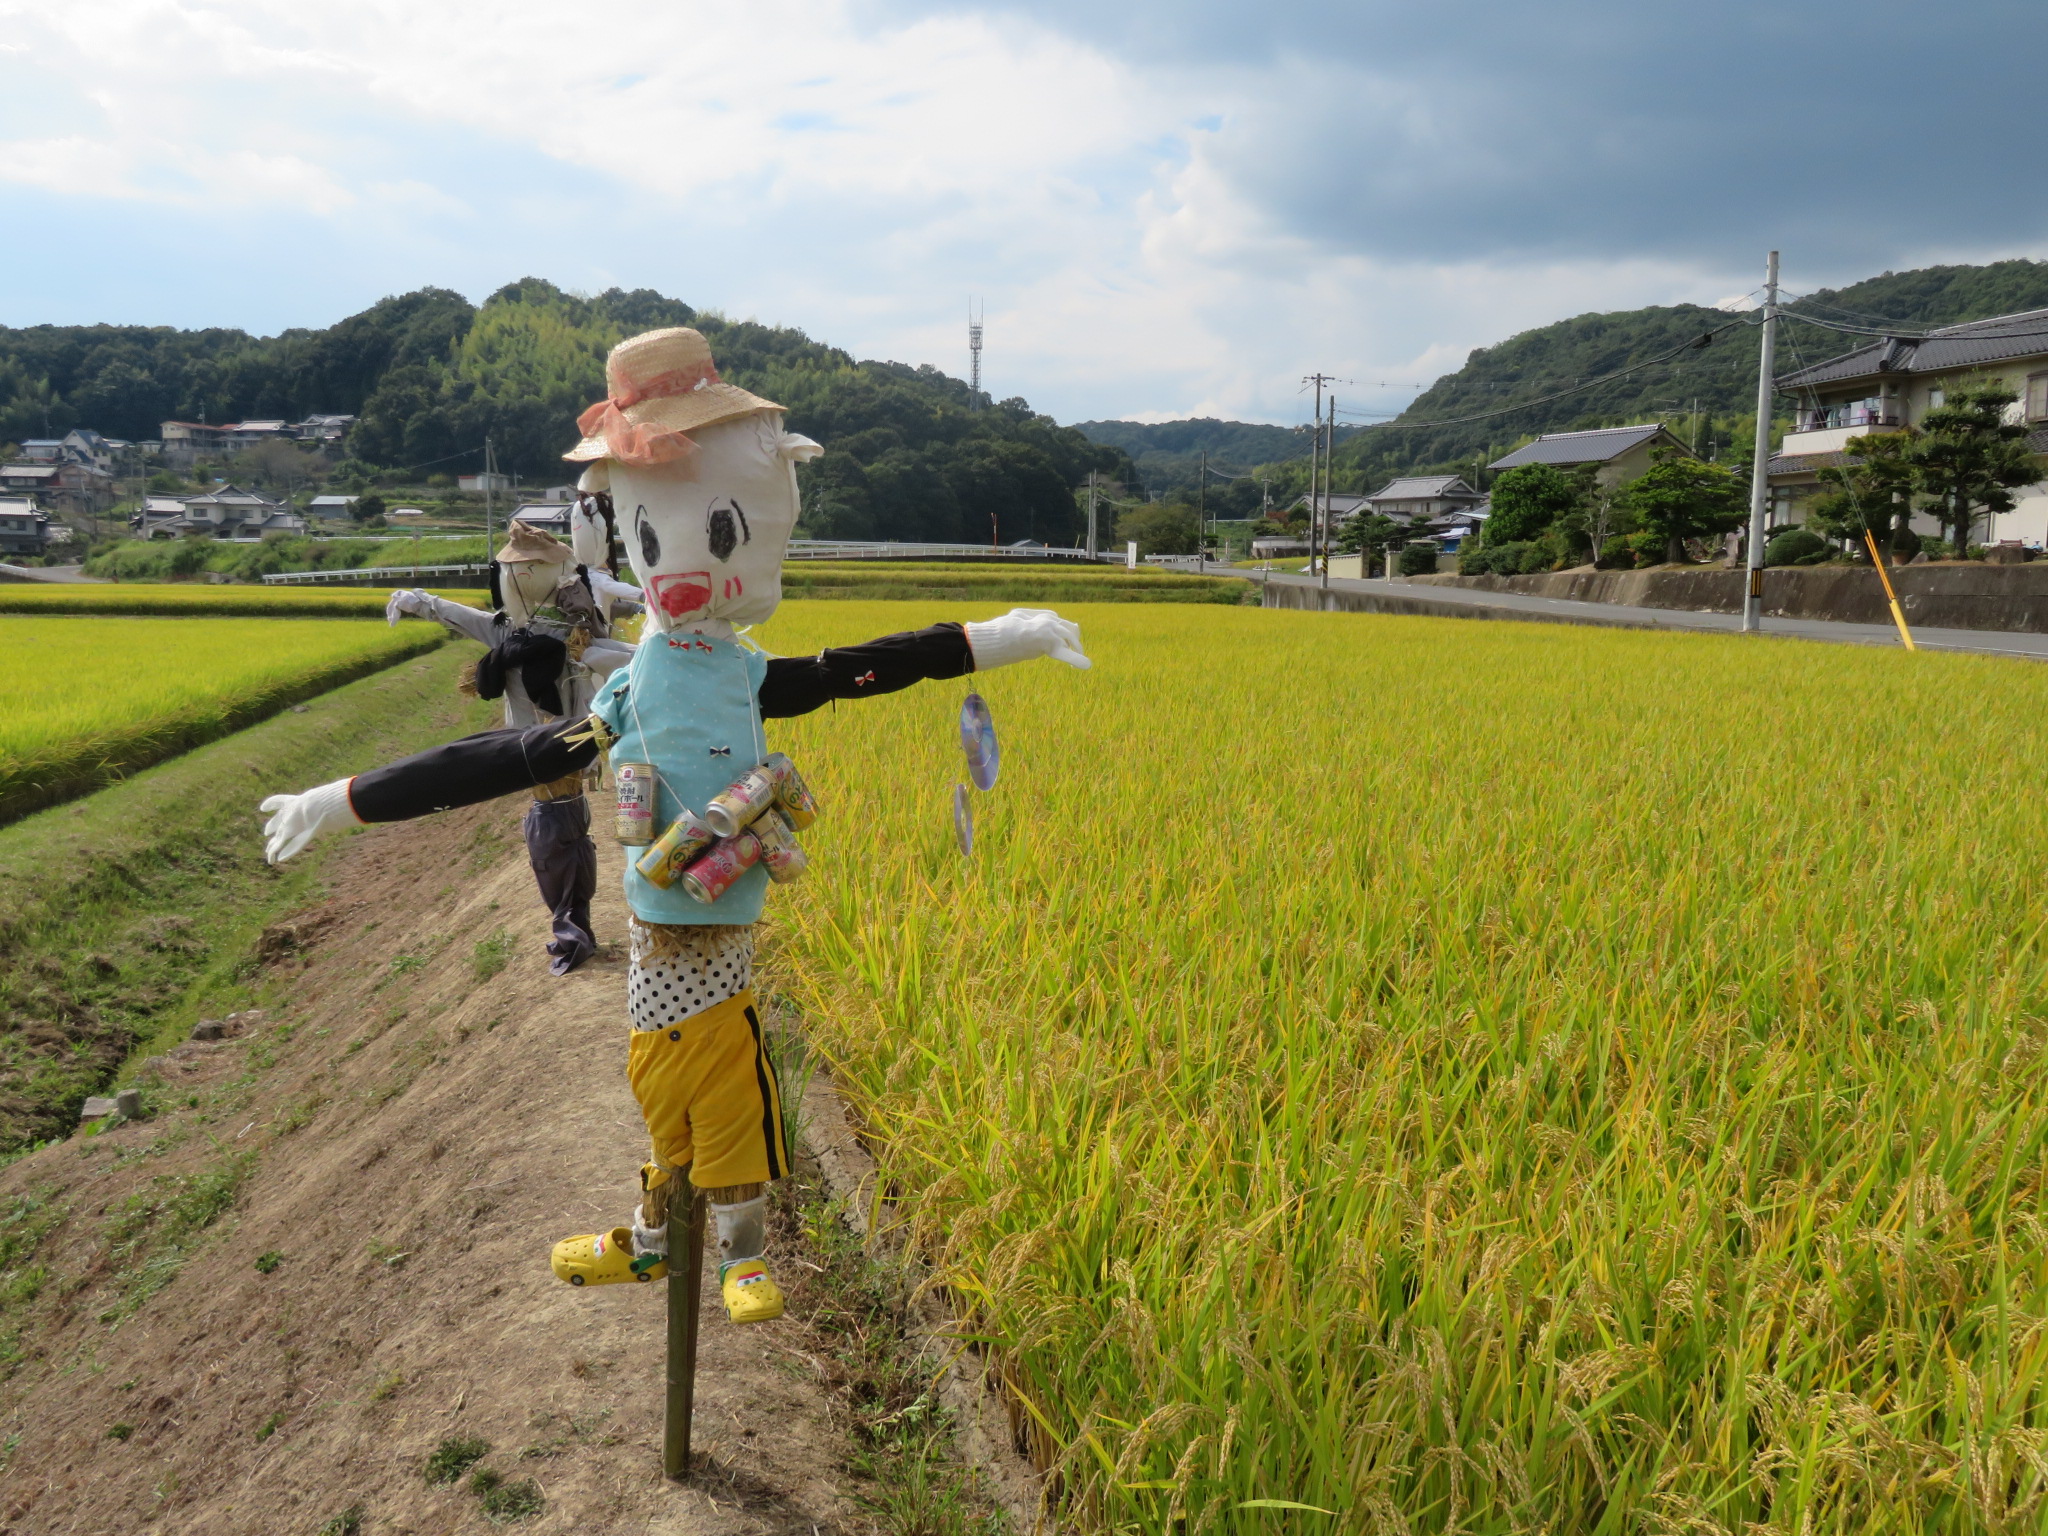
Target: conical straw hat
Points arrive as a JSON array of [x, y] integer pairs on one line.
[[661, 386]]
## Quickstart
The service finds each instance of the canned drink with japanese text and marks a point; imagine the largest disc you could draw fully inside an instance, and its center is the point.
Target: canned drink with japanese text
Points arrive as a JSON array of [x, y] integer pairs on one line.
[[781, 855], [714, 873], [793, 796], [633, 822], [746, 797], [686, 837]]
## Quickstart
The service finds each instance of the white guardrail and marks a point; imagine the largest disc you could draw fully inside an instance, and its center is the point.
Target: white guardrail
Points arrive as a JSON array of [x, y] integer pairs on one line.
[[799, 549]]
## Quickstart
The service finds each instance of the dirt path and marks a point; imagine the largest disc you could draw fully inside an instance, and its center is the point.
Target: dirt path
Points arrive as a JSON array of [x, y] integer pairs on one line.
[[409, 1134]]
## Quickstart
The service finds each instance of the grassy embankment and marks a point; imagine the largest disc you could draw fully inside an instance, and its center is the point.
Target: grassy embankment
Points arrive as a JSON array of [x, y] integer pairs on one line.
[[175, 559], [126, 914], [87, 700], [1533, 1080], [1044, 584]]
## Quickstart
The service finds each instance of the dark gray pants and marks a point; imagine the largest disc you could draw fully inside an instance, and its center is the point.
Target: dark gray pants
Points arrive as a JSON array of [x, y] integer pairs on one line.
[[564, 863]]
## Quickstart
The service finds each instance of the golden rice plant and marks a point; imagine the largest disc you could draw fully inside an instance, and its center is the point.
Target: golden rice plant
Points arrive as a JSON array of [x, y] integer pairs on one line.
[[1423, 1075], [188, 599], [87, 700]]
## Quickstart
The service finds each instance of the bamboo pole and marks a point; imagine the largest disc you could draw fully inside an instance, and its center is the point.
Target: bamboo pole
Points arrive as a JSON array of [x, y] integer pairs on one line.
[[684, 1286], [1898, 615]]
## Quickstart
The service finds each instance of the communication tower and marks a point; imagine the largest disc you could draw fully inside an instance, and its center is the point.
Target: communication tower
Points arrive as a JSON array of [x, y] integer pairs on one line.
[[974, 346]]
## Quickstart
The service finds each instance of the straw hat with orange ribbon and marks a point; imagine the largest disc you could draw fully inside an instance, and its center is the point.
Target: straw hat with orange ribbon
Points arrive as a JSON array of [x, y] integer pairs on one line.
[[661, 386]]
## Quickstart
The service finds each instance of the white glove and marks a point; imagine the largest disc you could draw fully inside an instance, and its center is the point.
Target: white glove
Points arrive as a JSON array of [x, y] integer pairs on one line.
[[1023, 633], [410, 602], [296, 820]]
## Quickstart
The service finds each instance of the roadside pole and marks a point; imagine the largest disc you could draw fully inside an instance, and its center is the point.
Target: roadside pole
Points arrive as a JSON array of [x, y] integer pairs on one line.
[[1890, 596], [684, 1284], [1329, 446], [1760, 464]]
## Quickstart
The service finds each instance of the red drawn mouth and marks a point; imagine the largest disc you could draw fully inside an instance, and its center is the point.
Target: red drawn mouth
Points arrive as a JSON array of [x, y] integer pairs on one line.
[[684, 594]]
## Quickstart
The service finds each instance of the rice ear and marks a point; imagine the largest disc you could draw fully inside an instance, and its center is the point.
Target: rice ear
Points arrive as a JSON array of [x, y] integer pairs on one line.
[[465, 681]]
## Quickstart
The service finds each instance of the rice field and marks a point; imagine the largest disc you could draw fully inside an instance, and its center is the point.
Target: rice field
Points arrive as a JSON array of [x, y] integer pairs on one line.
[[87, 700], [192, 599], [1387, 1074]]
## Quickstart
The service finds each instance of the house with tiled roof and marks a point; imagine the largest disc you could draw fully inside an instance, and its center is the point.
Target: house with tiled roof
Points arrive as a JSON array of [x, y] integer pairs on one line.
[[1618, 454], [1893, 382]]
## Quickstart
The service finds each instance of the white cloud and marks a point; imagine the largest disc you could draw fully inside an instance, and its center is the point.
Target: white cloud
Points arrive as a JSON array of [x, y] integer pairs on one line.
[[794, 160]]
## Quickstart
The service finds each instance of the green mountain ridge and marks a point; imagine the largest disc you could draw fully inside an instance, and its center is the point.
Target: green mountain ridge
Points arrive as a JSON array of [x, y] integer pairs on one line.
[[1505, 384], [912, 452]]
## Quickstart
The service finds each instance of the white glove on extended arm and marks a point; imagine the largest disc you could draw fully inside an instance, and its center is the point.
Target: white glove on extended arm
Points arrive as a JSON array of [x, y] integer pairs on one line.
[[460, 617], [1023, 633], [295, 820], [409, 602]]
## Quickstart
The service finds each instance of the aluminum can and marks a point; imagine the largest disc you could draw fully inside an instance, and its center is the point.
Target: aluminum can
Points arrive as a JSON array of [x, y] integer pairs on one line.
[[781, 855], [746, 797], [793, 796], [712, 873], [686, 837], [633, 821]]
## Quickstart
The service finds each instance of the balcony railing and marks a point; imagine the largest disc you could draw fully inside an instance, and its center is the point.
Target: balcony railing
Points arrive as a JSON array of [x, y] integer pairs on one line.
[[1847, 416]]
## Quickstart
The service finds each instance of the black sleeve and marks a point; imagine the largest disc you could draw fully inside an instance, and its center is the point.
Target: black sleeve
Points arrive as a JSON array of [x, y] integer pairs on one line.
[[476, 768], [796, 685]]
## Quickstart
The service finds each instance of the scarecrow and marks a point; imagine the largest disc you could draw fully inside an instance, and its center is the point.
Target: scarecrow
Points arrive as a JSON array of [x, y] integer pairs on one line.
[[547, 646], [709, 473]]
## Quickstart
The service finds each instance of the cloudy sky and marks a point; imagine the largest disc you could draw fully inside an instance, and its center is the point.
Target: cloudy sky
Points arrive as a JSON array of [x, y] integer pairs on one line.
[[1167, 208]]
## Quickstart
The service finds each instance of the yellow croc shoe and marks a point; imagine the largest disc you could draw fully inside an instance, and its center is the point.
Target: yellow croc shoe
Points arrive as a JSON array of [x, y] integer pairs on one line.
[[606, 1258], [751, 1294]]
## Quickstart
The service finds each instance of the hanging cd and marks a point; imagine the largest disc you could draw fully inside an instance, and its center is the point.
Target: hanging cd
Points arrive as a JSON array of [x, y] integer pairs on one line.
[[978, 741], [963, 819]]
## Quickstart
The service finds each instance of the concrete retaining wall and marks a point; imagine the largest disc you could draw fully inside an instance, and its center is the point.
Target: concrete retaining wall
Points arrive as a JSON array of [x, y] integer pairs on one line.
[[1307, 595], [1962, 595]]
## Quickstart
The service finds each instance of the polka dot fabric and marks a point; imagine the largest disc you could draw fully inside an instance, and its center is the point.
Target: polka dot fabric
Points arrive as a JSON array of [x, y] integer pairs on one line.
[[666, 989]]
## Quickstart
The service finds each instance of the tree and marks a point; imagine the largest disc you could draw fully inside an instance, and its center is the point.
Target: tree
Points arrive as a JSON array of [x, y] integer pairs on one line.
[[1872, 493], [367, 507], [1527, 500], [1679, 498], [1161, 528], [1367, 533], [276, 465], [1968, 459]]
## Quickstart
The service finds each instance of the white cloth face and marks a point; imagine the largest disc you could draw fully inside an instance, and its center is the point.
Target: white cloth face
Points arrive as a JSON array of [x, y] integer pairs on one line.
[[527, 587], [707, 534], [586, 535]]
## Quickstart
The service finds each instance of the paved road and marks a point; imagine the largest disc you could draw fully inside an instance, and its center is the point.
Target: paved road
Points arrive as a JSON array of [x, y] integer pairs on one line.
[[1464, 602], [44, 573]]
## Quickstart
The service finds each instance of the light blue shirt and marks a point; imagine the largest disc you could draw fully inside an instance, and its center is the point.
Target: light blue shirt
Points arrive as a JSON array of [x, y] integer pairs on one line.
[[690, 705]]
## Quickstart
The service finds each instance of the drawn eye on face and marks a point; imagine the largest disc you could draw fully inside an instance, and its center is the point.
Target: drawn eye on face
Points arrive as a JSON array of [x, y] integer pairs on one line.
[[726, 529], [650, 546]]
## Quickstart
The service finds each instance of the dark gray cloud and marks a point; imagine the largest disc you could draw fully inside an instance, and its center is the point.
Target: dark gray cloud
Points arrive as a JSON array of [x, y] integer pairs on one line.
[[1854, 135]]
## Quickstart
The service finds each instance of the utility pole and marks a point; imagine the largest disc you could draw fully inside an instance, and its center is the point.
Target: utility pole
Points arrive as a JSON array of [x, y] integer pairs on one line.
[[1329, 448], [1202, 504], [1315, 445], [1091, 514], [1760, 463], [490, 484]]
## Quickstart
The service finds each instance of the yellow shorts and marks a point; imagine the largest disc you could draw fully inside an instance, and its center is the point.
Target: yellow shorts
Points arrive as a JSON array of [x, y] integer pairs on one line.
[[709, 1095]]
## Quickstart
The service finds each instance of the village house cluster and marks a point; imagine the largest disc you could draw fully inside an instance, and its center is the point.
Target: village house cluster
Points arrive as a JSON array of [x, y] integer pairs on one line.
[[77, 476], [1890, 384]]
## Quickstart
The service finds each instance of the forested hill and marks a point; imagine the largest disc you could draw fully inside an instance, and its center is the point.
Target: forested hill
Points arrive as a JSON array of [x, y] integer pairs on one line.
[[1169, 453], [1720, 376], [912, 454], [1718, 380]]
